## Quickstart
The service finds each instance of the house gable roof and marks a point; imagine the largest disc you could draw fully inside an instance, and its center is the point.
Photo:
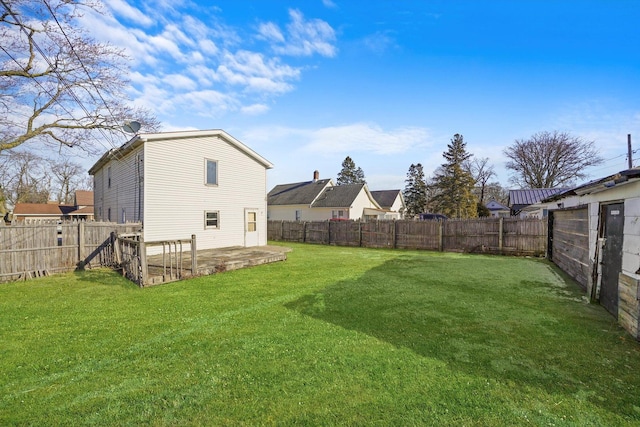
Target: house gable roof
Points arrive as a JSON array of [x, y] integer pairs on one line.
[[297, 193], [495, 206], [140, 139], [84, 198], [342, 196], [42, 209], [385, 198]]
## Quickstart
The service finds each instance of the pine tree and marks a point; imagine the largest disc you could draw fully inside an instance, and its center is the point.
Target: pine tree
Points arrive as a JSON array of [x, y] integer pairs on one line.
[[415, 191], [454, 184], [350, 174]]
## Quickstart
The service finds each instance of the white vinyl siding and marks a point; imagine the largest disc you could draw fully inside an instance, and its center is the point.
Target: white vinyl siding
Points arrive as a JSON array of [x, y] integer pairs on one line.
[[124, 196], [176, 195]]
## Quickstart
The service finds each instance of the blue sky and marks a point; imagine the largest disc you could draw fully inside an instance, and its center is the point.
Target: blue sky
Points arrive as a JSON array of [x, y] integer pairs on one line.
[[307, 83]]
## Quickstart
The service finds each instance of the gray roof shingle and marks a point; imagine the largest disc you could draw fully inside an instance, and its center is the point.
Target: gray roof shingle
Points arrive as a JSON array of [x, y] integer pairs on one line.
[[385, 198], [297, 193], [340, 196]]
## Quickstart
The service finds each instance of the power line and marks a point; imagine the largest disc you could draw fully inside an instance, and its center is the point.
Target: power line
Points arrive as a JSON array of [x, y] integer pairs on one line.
[[95, 86], [60, 77]]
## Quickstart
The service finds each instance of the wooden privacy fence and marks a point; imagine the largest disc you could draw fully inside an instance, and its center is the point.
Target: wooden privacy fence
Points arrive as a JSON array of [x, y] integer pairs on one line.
[[513, 236], [39, 249]]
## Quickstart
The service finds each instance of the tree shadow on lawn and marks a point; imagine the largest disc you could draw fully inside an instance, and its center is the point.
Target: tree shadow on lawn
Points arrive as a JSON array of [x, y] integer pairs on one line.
[[534, 333]]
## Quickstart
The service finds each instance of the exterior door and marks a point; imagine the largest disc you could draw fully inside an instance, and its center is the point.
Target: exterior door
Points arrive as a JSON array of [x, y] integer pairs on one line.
[[613, 221], [251, 236]]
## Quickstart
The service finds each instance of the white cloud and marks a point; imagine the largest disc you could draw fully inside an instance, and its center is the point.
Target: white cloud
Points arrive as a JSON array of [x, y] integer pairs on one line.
[[179, 81], [255, 109], [190, 64], [366, 137], [379, 42], [303, 37], [271, 32], [330, 4], [125, 10], [256, 72]]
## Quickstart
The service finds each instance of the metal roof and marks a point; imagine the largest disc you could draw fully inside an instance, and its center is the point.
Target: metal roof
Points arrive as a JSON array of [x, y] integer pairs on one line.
[[530, 196]]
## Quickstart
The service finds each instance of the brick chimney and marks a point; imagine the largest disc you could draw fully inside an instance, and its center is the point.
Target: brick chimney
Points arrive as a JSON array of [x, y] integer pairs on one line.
[[316, 175]]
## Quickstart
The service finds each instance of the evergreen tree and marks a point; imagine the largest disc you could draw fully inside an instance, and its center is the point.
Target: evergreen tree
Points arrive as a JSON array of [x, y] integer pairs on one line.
[[350, 174], [415, 191], [454, 184]]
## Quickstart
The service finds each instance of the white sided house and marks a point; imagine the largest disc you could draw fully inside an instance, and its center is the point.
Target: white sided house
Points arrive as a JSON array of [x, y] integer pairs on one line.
[[320, 200], [177, 184]]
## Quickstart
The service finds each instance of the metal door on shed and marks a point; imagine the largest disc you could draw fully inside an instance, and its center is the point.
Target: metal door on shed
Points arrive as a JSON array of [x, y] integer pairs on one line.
[[613, 231]]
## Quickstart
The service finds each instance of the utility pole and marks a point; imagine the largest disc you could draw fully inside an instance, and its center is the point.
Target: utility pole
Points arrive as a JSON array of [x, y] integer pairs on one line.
[[629, 151]]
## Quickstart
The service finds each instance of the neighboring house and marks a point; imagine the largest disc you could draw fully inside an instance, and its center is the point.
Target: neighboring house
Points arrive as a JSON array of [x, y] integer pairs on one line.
[[498, 210], [82, 210], [204, 183], [595, 237], [392, 201], [320, 200], [519, 200]]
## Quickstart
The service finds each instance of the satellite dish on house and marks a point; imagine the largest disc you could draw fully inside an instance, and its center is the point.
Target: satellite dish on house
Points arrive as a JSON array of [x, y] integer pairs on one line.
[[131, 126]]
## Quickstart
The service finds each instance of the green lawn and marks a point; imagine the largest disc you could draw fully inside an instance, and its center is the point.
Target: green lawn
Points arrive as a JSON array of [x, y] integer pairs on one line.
[[331, 336]]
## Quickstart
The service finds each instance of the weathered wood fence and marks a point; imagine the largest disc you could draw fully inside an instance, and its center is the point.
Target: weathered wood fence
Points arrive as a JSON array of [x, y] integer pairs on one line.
[[39, 249], [131, 255], [514, 236], [42, 248]]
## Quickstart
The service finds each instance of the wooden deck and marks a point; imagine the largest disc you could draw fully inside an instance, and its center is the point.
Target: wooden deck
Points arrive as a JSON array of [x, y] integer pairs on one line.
[[211, 261]]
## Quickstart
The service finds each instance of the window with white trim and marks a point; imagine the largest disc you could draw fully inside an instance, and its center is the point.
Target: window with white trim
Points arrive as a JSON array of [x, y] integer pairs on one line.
[[212, 220], [211, 172], [337, 214], [298, 215]]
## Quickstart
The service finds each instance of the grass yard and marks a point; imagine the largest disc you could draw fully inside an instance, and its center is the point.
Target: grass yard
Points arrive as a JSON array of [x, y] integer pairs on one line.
[[332, 336]]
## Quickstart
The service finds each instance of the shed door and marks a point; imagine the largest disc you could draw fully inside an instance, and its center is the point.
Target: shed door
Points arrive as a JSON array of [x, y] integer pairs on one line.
[[613, 221]]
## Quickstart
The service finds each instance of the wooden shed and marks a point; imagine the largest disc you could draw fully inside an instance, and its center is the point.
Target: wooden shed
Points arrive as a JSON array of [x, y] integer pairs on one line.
[[594, 233]]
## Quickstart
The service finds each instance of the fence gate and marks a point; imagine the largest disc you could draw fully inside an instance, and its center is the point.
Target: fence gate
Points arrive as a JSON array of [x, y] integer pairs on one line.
[[613, 227], [569, 243]]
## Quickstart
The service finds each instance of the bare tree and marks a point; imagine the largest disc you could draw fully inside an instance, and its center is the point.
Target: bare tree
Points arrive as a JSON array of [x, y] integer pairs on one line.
[[495, 191], [25, 178], [58, 86], [67, 176], [550, 159], [482, 172]]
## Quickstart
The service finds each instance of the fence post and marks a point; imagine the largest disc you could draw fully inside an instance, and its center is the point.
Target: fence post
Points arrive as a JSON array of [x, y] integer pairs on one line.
[[143, 261], [395, 234], [115, 245], [80, 241], [194, 256], [360, 233], [440, 236], [304, 232], [500, 231]]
